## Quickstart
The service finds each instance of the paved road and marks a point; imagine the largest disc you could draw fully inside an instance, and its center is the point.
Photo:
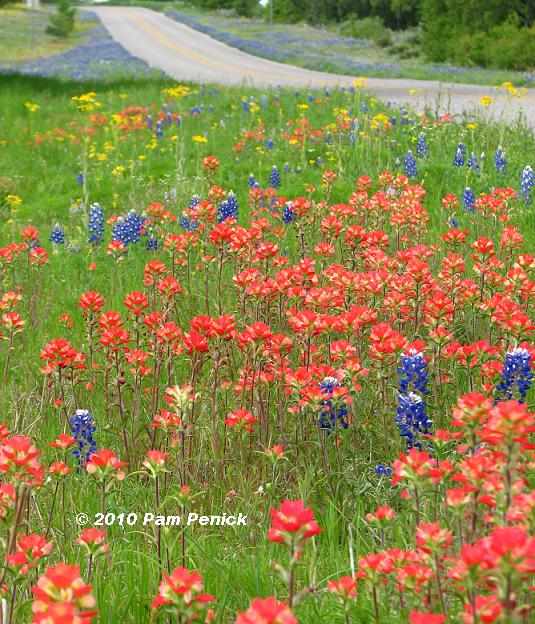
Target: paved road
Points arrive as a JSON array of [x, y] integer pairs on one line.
[[188, 55]]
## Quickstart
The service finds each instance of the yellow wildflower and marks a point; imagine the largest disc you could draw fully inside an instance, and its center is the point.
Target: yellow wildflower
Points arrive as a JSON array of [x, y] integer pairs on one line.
[[486, 100], [380, 122], [177, 92], [197, 138], [511, 89], [31, 107], [359, 83], [13, 201], [302, 106], [86, 102]]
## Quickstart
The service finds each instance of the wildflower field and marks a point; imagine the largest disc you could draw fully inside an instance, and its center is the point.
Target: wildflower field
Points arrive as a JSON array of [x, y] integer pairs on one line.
[[266, 358]]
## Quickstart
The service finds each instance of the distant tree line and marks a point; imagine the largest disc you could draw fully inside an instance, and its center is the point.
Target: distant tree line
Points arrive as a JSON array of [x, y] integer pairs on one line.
[[242, 7]]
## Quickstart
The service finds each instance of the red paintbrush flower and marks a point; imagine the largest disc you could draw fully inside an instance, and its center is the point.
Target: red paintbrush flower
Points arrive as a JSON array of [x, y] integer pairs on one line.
[[63, 442], [61, 596], [105, 464], [266, 611], [180, 594], [292, 524], [242, 419]]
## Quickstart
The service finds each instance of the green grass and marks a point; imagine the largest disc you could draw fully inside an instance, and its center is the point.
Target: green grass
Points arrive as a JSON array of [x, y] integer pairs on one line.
[[40, 165], [23, 35]]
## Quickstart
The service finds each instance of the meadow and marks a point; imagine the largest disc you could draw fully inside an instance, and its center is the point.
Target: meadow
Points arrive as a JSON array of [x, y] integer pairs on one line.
[[309, 308], [23, 34]]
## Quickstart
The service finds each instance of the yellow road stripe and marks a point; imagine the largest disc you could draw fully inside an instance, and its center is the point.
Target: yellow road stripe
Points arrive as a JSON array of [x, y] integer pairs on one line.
[[203, 60]]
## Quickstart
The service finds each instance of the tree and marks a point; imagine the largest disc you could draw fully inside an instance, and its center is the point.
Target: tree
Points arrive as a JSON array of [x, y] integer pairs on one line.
[[61, 23]]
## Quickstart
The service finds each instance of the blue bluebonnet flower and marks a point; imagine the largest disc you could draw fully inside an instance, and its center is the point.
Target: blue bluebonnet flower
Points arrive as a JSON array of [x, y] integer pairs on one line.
[[500, 160], [472, 163], [413, 373], [460, 154], [527, 182], [453, 223], [286, 168], [169, 119], [410, 165], [264, 101], [149, 122], [83, 428], [422, 149], [251, 180], [310, 97], [80, 178], [469, 200], [228, 208], [363, 107], [269, 144], [96, 224], [288, 215], [57, 235], [189, 224], [152, 243], [274, 177], [333, 414], [245, 106], [128, 229], [179, 121], [411, 417], [159, 128], [516, 374], [383, 471], [404, 117]]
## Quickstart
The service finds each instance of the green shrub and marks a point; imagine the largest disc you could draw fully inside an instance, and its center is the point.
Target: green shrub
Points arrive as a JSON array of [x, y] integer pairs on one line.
[[511, 47], [61, 23], [368, 28], [506, 46], [492, 34]]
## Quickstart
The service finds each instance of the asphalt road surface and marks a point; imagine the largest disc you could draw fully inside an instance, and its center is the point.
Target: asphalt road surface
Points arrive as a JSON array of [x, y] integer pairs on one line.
[[188, 55]]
